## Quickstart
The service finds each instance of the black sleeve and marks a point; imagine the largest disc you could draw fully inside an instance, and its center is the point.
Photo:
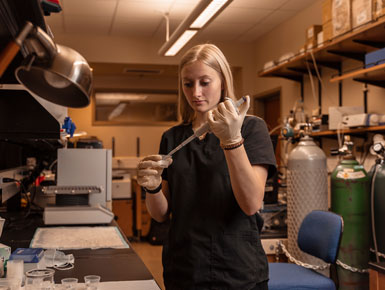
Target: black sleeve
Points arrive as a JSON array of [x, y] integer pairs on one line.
[[258, 145]]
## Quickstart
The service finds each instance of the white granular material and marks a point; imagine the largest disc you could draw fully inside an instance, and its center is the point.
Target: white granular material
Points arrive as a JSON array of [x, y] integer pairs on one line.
[[63, 238]]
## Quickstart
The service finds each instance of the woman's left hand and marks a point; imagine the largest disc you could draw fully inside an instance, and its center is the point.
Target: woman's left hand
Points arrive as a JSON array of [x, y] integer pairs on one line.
[[225, 121]]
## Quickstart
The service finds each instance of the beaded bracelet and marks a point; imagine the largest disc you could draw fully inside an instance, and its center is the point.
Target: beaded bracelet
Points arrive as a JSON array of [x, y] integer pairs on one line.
[[153, 191], [233, 146]]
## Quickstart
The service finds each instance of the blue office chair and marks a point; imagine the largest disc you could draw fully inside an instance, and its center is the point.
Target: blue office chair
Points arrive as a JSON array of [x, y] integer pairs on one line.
[[319, 235]]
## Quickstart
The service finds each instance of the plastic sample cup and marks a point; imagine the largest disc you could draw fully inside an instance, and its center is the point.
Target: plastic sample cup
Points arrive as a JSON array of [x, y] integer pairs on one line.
[[39, 279], [69, 283], [92, 282]]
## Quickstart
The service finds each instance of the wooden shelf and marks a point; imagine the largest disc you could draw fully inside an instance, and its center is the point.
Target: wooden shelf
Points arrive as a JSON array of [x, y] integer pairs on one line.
[[354, 45], [349, 131], [374, 75]]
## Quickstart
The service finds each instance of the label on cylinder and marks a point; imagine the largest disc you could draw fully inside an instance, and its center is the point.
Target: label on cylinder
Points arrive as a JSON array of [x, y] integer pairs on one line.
[[346, 174]]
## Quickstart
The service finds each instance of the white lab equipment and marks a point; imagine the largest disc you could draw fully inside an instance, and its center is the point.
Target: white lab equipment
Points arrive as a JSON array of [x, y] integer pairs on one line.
[[83, 191]]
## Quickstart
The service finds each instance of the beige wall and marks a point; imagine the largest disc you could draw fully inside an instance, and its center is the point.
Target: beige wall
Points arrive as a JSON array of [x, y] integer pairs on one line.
[[142, 51], [287, 37]]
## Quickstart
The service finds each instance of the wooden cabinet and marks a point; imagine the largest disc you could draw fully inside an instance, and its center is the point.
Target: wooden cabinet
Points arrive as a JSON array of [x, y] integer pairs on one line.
[[123, 210], [142, 217], [132, 215], [377, 276]]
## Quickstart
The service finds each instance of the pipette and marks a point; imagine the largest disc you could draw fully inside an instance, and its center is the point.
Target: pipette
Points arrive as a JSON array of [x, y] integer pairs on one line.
[[199, 132]]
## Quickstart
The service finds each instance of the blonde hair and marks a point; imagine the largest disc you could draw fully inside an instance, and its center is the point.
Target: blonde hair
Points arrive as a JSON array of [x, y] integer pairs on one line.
[[212, 56]]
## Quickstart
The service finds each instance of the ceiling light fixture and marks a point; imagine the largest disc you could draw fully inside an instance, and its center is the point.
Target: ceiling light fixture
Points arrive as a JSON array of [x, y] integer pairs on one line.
[[104, 98], [203, 13]]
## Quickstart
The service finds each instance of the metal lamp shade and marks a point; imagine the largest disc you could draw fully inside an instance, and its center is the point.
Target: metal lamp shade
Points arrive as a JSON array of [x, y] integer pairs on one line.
[[66, 80]]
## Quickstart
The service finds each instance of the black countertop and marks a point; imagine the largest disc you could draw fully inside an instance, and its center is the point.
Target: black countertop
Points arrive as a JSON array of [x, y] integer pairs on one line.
[[110, 264]]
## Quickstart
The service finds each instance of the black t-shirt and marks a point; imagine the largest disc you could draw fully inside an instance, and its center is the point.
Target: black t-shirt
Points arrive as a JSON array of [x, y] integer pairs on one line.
[[205, 213]]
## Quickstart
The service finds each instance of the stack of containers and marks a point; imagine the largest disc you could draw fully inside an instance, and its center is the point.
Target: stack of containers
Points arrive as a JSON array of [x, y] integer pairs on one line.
[[341, 16], [378, 8], [362, 12], [311, 36], [327, 26]]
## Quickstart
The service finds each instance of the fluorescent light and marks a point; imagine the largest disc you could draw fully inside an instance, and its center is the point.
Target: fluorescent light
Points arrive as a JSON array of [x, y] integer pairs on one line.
[[203, 12], [116, 98], [182, 40], [208, 13]]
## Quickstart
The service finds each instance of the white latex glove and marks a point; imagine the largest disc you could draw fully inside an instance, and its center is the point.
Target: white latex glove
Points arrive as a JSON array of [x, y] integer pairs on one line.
[[150, 169], [225, 121]]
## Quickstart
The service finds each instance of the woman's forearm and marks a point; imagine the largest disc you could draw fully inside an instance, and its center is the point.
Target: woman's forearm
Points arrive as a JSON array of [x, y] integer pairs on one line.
[[247, 181], [157, 204]]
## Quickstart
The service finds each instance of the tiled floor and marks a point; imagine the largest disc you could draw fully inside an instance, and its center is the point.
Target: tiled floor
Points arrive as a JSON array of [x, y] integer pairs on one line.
[[152, 258]]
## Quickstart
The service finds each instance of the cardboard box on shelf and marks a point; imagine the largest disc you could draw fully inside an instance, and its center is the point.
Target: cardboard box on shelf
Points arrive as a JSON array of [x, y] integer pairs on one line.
[[326, 11], [361, 12], [312, 31], [378, 8], [320, 38], [327, 29], [341, 17], [311, 44]]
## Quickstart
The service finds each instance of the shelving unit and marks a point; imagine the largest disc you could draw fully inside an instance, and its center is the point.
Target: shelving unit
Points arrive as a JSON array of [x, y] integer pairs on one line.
[[354, 131], [354, 45], [351, 45], [374, 75]]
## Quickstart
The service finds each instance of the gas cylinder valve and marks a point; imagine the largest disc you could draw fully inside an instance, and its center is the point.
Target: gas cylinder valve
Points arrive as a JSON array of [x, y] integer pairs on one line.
[[346, 149], [378, 147]]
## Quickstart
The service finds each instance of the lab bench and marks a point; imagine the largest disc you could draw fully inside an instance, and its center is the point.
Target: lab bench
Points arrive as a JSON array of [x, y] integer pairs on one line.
[[110, 264]]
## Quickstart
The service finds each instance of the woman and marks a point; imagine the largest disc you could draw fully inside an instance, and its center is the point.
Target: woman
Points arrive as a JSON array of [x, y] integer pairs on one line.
[[214, 186]]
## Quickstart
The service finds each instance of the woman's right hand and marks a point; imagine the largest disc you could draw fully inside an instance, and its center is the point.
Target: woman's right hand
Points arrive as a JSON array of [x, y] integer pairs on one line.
[[150, 170]]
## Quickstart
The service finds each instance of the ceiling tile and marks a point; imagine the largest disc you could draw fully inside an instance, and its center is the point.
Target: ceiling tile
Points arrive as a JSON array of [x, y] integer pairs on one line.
[[103, 8], [181, 10], [87, 24], [131, 28], [242, 20], [242, 15], [277, 17], [264, 4], [255, 32], [142, 11], [297, 4], [223, 32]]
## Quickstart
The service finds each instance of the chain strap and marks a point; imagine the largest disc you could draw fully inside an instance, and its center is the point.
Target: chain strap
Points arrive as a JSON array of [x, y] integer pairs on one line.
[[299, 263], [323, 267], [378, 253], [350, 268]]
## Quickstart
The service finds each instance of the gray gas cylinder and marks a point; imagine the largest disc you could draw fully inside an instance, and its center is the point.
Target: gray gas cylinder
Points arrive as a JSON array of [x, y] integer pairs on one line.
[[307, 190]]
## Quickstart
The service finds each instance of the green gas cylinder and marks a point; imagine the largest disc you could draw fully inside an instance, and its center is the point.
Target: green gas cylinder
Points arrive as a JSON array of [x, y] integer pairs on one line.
[[350, 198]]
